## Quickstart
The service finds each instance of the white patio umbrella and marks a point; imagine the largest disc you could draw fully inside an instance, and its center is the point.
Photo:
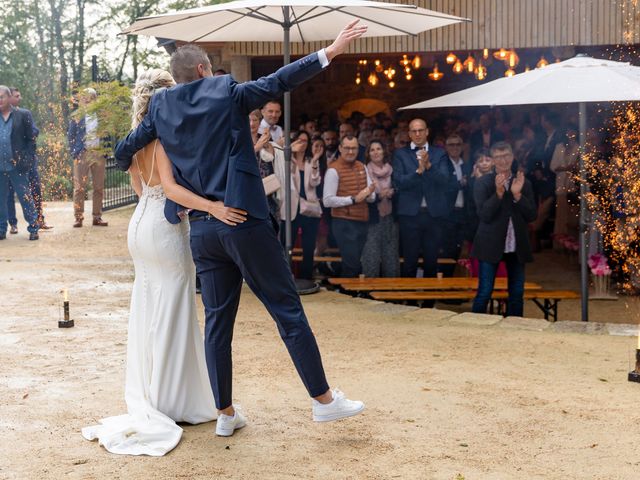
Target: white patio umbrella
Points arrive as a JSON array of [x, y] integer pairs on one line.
[[579, 80], [288, 21]]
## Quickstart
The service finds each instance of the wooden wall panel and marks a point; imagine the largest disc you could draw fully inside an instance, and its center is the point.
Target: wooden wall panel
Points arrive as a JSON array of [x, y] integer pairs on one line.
[[495, 24]]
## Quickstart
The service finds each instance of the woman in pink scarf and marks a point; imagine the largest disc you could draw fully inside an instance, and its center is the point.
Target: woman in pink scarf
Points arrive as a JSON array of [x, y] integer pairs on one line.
[[380, 257]]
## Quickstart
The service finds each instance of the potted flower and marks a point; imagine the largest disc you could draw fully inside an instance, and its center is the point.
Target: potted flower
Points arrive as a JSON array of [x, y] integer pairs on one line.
[[601, 274]]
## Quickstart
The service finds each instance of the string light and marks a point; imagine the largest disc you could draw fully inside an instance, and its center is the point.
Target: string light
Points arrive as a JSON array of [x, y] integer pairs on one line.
[[458, 68], [509, 73], [451, 58], [485, 53], [435, 74], [501, 54], [358, 79], [481, 72], [469, 64], [513, 59], [372, 79], [379, 67], [542, 62], [392, 84], [416, 62]]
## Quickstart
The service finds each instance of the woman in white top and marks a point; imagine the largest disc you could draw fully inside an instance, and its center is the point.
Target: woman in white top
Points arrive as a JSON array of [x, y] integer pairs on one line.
[[305, 205]]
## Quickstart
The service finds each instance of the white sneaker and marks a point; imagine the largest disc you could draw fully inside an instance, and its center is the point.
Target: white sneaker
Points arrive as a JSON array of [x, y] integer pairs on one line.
[[227, 424], [340, 407]]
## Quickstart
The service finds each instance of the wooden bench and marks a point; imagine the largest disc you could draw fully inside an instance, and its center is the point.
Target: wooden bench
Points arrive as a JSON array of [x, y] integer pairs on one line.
[[297, 257], [402, 283], [546, 300]]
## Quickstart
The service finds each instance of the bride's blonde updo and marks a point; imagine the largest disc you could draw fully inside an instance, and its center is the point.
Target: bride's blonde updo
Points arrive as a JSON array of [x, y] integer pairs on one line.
[[146, 85]]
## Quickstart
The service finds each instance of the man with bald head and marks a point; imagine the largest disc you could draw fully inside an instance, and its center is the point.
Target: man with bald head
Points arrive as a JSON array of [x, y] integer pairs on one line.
[[424, 188]]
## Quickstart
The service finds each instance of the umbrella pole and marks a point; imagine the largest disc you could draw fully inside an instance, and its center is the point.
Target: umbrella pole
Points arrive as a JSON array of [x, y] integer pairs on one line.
[[584, 230], [286, 25]]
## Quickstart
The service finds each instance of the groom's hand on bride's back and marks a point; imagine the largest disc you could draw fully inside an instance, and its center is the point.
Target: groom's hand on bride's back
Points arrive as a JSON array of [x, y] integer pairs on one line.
[[229, 215]]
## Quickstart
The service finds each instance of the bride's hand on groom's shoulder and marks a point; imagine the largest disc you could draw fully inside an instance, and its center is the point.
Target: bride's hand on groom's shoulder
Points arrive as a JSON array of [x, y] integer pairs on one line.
[[229, 215]]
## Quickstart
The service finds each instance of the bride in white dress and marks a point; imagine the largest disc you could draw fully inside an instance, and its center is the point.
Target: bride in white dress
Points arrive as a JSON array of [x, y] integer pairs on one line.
[[166, 375]]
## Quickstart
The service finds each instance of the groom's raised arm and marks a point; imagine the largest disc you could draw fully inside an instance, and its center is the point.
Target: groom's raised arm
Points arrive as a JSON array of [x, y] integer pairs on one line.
[[142, 135], [252, 95]]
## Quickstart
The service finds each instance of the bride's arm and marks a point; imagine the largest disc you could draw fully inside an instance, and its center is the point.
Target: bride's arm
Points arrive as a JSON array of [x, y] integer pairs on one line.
[[186, 198]]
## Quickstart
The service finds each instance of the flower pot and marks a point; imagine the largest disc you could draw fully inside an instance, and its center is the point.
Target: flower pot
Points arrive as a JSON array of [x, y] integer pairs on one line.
[[601, 285]]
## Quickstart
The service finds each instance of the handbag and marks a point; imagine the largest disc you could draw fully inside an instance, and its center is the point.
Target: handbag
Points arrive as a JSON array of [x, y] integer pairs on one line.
[[271, 184], [310, 208]]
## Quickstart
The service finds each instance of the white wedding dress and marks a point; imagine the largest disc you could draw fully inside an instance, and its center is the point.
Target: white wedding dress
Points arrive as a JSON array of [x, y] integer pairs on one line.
[[166, 376]]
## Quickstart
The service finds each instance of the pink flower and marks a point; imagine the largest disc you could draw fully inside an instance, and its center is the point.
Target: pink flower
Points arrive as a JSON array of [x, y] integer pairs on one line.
[[599, 265]]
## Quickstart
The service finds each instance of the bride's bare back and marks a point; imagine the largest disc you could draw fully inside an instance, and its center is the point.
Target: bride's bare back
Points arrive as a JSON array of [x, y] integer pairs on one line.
[[145, 163]]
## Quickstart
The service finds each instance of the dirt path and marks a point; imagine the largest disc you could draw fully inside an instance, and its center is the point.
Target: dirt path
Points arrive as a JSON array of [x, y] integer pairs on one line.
[[444, 397]]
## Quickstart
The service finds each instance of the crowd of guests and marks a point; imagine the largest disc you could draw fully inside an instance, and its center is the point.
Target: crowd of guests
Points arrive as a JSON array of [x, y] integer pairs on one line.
[[381, 190]]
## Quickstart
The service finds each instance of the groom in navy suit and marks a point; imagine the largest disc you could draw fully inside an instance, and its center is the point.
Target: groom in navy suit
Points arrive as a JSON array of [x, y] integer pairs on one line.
[[203, 126]]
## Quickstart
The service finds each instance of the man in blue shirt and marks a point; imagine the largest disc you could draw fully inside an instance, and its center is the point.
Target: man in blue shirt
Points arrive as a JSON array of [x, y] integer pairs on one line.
[[17, 156]]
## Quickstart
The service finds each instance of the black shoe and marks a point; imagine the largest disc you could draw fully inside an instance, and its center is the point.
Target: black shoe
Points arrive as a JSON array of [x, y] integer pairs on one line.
[[14, 229], [34, 236]]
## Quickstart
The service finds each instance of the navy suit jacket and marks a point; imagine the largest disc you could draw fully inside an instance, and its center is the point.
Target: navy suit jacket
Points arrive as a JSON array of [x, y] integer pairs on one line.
[[23, 140], [494, 214], [204, 128], [437, 185]]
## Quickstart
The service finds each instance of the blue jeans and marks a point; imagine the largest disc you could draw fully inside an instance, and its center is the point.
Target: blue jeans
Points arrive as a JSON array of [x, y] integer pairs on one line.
[[515, 283], [36, 193], [11, 207], [20, 183]]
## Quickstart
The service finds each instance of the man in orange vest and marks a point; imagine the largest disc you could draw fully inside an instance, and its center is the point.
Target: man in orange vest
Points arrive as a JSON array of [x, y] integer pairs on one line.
[[347, 190]]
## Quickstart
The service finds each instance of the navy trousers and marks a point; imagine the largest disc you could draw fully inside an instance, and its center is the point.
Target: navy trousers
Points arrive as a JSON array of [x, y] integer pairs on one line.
[[419, 233], [224, 255]]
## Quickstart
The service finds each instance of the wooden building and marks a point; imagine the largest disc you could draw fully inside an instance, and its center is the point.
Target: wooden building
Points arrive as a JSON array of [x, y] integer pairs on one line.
[[532, 29]]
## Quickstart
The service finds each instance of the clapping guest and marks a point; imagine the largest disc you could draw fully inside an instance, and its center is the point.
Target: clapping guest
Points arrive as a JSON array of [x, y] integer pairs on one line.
[[264, 156], [380, 257], [505, 205], [347, 189], [306, 177]]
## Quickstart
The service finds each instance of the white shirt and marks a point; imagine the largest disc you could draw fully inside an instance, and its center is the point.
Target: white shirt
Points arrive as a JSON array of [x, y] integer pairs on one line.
[[276, 130], [425, 147], [330, 199], [457, 167], [91, 127], [510, 240]]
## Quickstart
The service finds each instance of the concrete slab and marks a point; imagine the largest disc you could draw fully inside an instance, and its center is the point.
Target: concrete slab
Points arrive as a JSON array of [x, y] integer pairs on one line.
[[593, 328], [429, 314], [478, 319], [623, 329], [391, 308], [520, 323]]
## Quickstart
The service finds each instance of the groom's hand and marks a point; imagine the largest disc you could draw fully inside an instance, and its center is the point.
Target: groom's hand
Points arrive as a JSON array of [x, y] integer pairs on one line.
[[229, 215], [348, 34]]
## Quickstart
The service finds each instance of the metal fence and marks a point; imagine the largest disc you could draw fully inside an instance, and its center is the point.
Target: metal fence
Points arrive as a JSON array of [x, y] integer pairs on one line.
[[117, 188]]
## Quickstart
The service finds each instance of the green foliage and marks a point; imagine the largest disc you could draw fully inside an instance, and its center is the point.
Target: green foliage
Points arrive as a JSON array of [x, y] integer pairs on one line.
[[113, 109]]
